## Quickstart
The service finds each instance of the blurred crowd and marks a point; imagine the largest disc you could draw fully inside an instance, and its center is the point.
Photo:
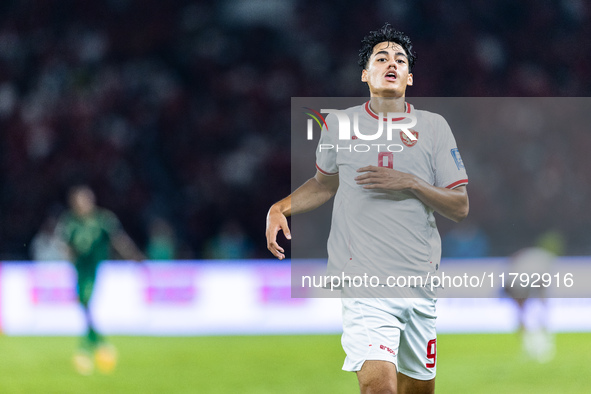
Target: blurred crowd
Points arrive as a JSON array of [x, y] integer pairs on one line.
[[177, 113]]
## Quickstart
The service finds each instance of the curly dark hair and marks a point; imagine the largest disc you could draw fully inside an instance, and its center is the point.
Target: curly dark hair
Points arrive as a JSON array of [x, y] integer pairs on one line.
[[386, 33]]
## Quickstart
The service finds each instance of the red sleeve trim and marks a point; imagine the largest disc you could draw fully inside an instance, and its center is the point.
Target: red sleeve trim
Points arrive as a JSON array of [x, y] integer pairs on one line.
[[325, 172], [461, 182]]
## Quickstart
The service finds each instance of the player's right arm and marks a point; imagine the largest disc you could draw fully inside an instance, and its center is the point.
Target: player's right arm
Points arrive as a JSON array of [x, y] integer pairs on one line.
[[312, 194]]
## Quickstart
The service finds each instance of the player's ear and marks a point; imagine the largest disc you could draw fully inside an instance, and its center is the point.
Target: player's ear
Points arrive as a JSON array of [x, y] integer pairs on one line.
[[364, 75], [409, 81]]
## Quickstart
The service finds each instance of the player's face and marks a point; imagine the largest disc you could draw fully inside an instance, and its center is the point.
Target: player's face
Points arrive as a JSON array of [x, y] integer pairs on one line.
[[82, 201], [387, 73]]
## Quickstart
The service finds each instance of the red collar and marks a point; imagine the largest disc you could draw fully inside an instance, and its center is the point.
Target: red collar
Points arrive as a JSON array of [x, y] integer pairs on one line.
[[375, 116]]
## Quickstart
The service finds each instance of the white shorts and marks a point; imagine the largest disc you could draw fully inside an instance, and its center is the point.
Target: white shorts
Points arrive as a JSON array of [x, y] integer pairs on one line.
[[398, 330]]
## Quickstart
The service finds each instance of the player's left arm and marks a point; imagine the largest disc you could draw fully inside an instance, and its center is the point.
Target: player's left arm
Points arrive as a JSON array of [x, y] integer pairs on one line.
[[120, 241], [125, 246], [451, 203]]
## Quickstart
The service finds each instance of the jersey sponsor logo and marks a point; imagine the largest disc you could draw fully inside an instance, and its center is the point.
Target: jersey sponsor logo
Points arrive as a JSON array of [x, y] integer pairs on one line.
[[455, 153], [407, 141]]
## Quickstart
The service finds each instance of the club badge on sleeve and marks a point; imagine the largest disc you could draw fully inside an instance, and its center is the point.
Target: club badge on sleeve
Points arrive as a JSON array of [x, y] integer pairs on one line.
[[455, 153]]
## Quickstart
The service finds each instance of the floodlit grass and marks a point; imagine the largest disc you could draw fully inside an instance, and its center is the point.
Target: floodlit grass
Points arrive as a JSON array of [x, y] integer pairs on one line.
[[495, 364], [282, 364]]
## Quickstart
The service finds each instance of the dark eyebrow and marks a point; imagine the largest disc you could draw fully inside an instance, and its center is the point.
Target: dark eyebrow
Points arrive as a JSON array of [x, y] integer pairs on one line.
[[386, 53]]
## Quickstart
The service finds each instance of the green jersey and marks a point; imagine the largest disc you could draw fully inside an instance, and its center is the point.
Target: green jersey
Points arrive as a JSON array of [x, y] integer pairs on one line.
[[89, 237]]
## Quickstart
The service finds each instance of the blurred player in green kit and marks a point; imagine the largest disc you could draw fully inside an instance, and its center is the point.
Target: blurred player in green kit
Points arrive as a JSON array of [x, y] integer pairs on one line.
[[90, 232]]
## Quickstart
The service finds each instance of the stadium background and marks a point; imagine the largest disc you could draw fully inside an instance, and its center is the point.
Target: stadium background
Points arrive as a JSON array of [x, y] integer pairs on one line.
[[180, 111]]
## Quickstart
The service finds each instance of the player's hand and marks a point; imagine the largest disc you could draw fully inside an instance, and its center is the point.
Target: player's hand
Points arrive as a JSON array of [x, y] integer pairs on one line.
[[276, 221], [139, 257], [383, 178]]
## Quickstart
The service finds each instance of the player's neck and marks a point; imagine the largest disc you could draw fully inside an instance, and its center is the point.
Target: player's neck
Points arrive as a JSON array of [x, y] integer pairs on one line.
[[387, 104], [84, 214]]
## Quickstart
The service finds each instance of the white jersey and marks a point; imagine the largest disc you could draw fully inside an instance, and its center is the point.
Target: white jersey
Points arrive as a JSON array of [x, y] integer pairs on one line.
[[379, 232]]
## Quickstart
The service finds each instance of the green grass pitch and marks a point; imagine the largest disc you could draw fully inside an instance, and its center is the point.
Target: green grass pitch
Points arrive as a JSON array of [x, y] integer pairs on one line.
[[483, 363]]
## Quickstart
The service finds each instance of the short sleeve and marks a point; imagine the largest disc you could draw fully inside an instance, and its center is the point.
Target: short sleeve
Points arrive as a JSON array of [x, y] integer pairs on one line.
[[326, 154], [448, 165]]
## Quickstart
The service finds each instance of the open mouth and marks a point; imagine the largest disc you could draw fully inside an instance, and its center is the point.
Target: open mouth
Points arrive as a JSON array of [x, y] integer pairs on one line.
[[391, 76]]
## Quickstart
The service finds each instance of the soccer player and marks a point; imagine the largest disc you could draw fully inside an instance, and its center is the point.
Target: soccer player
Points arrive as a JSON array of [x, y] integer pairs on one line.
[[89, 232], [383, 218], [532, 308]]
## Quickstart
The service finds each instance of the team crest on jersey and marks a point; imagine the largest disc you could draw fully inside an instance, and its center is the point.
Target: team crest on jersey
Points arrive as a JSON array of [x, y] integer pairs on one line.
[[407, 141]]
